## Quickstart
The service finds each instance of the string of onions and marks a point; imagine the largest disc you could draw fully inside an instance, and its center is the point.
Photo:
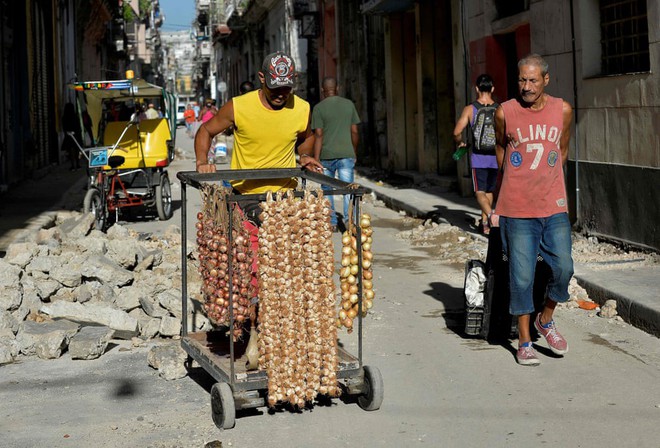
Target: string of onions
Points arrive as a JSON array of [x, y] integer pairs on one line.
[[349, 273], [297, 336], [215, 256]]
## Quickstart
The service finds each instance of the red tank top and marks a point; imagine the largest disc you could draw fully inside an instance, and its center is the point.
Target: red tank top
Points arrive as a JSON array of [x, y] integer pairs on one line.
[[533, 179]]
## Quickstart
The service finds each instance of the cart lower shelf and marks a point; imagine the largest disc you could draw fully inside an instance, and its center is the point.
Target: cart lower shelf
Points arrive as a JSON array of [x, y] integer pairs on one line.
[[242, 391]]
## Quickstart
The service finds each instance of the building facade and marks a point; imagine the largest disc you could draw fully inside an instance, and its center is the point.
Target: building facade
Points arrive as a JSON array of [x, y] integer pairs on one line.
[[44, 46], [604, 59]]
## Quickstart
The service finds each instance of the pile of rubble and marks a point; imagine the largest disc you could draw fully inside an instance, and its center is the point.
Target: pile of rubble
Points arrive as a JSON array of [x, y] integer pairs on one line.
[[451, 245], [69, 287]]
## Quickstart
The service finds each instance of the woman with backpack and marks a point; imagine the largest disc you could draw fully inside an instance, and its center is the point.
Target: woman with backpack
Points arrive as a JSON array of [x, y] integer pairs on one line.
[[479, 116]]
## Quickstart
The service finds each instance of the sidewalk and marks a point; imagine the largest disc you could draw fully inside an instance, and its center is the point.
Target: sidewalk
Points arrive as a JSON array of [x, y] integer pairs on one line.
[[32, 204], [634, 288]]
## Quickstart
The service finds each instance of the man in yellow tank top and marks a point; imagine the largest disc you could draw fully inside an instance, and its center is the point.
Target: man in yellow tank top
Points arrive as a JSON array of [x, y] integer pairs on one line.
[[269, 125]]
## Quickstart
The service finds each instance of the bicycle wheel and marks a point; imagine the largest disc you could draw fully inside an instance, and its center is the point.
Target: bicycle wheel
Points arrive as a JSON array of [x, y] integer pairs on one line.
[[93, 203], [164, 198]]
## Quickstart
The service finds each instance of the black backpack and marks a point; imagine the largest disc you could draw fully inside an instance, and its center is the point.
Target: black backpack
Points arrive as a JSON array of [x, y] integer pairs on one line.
[[483, 129]]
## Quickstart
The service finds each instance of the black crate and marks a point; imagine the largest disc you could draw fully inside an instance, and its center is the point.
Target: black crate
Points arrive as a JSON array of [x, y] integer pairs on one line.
[[474, 318]]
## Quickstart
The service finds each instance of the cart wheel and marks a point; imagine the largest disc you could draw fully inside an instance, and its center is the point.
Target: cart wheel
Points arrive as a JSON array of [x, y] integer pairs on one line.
[[222, 406], [373, 397], [94, 204], [164, 198]]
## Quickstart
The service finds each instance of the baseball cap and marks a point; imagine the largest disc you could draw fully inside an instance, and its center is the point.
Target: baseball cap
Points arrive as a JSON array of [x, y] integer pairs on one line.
[[279, 70]]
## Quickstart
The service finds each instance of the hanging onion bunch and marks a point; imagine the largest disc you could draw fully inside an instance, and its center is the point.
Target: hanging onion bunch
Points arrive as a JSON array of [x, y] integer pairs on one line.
[[349, 273], [297, 335], [216, 252]]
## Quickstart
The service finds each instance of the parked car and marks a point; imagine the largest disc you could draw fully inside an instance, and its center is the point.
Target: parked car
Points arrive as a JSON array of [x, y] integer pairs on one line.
[[180, 121]]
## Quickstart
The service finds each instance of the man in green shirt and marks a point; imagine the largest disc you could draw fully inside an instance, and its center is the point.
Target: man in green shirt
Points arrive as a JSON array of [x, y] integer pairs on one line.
[[335, 121]]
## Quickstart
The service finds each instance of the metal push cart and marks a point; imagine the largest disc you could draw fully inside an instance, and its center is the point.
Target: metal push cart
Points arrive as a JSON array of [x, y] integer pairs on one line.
[[221, 357]]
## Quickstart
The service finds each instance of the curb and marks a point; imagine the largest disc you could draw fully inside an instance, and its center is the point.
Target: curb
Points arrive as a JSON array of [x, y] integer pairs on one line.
[[633, 312]]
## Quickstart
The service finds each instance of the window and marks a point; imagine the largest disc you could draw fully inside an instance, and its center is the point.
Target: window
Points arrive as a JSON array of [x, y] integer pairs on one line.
[[507, 8], [624, 37]]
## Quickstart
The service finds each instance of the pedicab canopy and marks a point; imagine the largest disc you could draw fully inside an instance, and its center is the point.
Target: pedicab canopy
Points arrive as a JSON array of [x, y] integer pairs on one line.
[[126, 92]]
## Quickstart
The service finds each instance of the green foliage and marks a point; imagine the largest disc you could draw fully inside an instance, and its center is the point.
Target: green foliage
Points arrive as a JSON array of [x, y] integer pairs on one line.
[[130, 15], [145, 8]]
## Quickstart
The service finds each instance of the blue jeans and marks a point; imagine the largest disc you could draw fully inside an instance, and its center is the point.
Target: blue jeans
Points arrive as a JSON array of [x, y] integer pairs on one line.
[[525, 238], [342, 168]]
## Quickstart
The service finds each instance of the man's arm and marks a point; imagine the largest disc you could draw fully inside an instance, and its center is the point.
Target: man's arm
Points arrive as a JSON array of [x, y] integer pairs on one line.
[[461, 124], [567, 112], [355, 138], [318, 143], [500, 137], [220, 121], [500, 148], [305, 146]]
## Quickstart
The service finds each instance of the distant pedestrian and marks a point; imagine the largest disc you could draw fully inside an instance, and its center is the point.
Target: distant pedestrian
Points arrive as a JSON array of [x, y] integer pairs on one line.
[[71, 128], [189, 119], [533, 133], [151, 112], [207, 112], [335, 121], [245, 87], [479, 117], [88, 128]]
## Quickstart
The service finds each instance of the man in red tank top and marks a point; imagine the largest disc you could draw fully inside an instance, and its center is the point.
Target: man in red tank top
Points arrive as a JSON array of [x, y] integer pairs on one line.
[[533, 134]]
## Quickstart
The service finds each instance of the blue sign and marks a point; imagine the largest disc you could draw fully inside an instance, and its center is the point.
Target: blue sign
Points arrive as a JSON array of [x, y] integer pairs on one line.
[[98, 157]]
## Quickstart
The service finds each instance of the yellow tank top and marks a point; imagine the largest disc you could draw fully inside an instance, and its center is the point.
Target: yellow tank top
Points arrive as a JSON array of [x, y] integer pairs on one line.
[[265, 138]]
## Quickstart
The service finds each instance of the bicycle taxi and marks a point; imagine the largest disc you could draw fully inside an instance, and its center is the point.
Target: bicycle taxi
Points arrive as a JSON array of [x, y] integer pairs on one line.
[[128, 164]]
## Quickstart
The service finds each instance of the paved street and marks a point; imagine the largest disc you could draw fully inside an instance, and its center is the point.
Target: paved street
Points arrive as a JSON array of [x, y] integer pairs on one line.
[[441, 388]]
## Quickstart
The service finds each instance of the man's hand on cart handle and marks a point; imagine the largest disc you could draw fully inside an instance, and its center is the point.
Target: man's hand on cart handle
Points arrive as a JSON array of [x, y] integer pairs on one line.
[[310, 163], [203, 167]]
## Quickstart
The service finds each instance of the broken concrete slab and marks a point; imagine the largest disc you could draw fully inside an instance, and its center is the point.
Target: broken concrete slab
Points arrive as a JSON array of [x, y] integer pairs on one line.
[[169, 360], [90, 342], [94, 313], [45, 339]]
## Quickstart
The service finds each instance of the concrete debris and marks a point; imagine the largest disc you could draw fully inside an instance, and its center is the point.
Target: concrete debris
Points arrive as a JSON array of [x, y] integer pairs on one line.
[[151, 306], [118, 232], [8, 346], [169, 360], [125, 255], [119, 284], [20, 254], [128, 298], [125, 325], [145, 264], [47, 339], [105, 270], [10, 275], [90, 342], [608, 310], [171, 301], [77, 226], [10, 298], [170, 326], [8, 321]]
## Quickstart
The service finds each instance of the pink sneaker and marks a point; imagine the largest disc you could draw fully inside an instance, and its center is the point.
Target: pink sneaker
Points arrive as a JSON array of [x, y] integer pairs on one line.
[[526, 355], [555, 341]]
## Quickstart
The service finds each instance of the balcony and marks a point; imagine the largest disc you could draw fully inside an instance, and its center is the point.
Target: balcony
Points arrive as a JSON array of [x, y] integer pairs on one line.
[[235, 7]]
